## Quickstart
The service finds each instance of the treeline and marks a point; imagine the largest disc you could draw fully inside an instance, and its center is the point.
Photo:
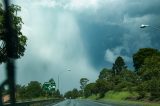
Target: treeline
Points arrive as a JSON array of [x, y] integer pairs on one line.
[[35, 89], [73, 94], [144, 79]]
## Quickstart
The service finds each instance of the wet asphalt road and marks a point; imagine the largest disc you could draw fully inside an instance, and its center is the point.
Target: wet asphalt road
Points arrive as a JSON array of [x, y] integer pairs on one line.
[[74, 102]]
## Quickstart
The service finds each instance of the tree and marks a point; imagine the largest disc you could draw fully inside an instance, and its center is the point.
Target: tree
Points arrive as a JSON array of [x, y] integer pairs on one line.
[[68, 94], [142, 89], [154, 88], [141, 55], [34, 89], [16, 26], [150, 68], [75, 93], [90, 89], [129, 76], [80, 93], [72, 94], [105, 74], [21, 92], [119, 65], [83, 82], [103, 86], [57, 94], [149, 73]]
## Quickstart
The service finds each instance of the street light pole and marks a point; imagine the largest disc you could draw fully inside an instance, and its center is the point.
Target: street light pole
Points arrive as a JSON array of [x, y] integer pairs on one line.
[[59, 76]]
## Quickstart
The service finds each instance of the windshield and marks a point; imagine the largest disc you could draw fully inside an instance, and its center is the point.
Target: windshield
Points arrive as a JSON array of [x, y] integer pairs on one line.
[[84, 49]]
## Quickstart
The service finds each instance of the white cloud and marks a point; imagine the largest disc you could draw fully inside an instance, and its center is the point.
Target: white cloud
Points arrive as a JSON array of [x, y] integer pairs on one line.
[[41, 3], [46, 3], [81, 5], [66, 4], [112, 54]]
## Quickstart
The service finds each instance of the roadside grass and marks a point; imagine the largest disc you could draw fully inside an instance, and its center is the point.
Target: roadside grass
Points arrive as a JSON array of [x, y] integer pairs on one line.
[[130, 103], [120, 98], [93, 97], [119, 95]]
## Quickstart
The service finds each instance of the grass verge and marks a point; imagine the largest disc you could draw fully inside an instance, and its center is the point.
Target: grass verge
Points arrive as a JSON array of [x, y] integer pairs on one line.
[[120, 98]]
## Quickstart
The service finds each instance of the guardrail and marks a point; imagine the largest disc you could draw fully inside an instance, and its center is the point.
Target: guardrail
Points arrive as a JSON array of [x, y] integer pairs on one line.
[[47, 102]]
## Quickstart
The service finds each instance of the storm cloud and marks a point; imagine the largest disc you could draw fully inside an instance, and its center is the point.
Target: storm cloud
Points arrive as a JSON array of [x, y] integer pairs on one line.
[[83, 36]]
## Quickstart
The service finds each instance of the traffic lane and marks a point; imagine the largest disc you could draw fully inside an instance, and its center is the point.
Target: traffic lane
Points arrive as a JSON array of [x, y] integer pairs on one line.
[[73, 102]]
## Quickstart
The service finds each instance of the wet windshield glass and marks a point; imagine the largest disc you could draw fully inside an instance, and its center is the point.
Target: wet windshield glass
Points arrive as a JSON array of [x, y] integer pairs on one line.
[[86, 49]]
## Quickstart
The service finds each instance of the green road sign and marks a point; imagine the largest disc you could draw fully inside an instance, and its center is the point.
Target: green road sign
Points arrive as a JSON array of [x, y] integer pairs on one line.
[[49, 86]]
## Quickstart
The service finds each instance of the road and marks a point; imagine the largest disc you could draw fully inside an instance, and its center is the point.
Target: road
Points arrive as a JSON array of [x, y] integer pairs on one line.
[[73, 102]]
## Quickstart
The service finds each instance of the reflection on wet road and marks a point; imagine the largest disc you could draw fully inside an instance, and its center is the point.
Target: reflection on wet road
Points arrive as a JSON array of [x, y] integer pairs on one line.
[[75, 102]]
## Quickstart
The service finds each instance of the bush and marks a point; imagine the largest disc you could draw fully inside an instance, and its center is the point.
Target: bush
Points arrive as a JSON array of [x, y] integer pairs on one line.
[[154, 88], [142, 89]]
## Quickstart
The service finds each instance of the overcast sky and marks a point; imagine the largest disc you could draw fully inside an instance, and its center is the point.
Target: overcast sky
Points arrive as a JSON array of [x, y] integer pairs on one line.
[[83, 36]]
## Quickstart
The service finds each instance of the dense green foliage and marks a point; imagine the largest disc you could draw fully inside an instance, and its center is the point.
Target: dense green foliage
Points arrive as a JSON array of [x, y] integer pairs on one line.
[[90, 89], [16, 26], [106, 74], [118, 66], [140, 56], [150, 76], [145, 80], [34, 89], [73, 94]]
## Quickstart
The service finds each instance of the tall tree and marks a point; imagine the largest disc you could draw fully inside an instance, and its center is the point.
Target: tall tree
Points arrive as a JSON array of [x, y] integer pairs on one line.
[[141, 55], [119, 65], [16, 25], [83, 82]]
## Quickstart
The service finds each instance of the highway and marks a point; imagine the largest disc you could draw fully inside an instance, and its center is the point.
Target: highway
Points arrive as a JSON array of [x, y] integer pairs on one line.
[[74, 102]]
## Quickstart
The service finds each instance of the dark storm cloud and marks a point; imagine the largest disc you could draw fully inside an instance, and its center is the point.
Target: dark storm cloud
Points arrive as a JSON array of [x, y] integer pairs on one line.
[[140, 7], [115, 26], [97, 38]]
